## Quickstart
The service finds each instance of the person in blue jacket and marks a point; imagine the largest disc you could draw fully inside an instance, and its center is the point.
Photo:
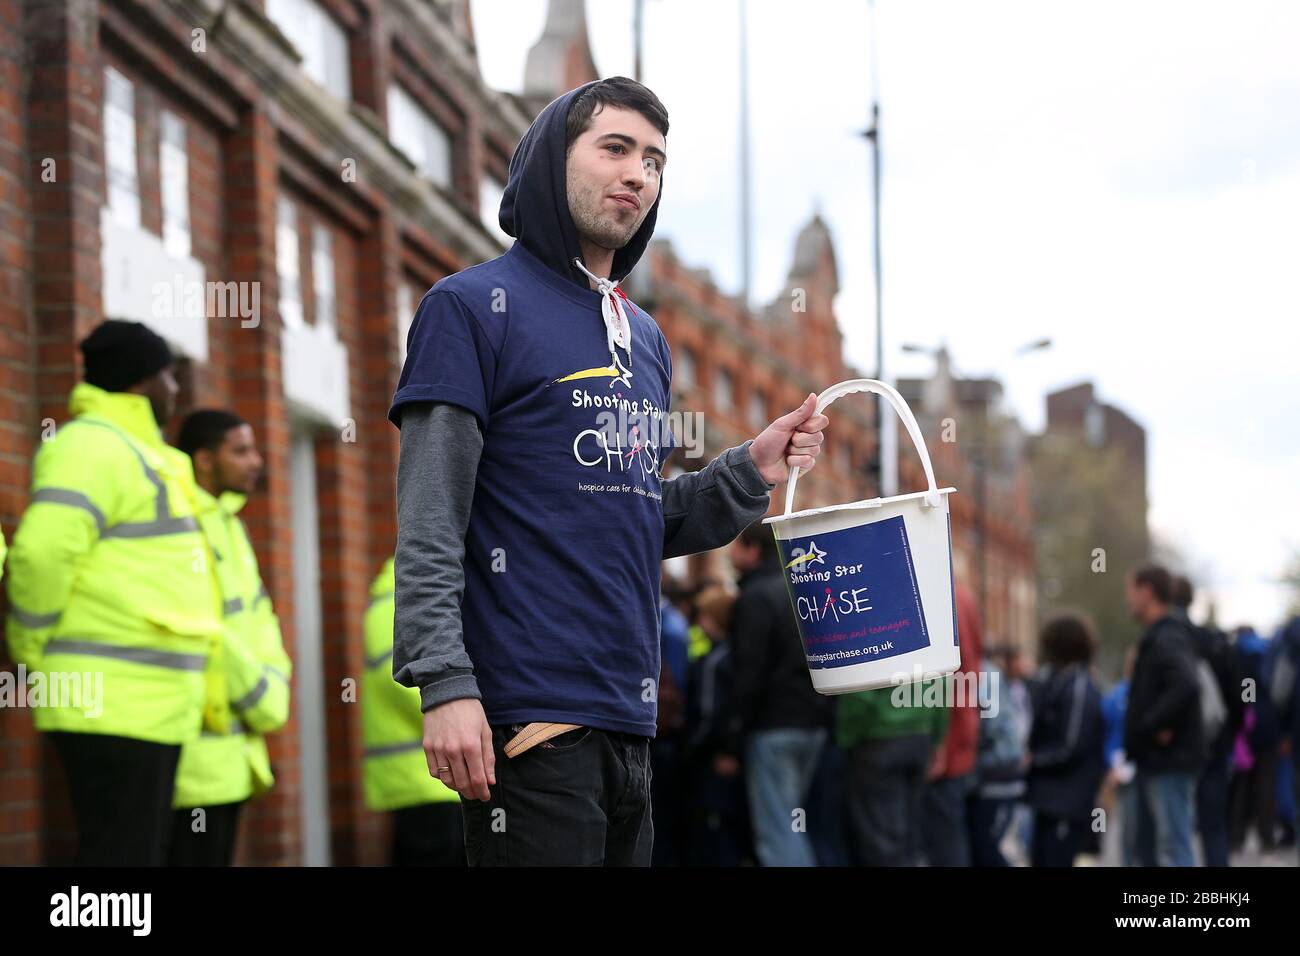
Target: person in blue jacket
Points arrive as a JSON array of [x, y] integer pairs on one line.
[[1285, 693], [1252, 794]]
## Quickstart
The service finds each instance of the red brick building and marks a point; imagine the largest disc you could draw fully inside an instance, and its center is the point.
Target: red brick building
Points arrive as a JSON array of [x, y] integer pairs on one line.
[[272, 184], [740, 369], [979, 449]]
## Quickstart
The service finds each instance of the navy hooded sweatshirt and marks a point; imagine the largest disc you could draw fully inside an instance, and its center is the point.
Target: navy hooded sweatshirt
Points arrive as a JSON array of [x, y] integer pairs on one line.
[[566, 533]]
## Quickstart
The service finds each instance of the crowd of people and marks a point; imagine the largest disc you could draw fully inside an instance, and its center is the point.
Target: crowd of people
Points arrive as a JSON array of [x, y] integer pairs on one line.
[[138, 576], [1008, 763]]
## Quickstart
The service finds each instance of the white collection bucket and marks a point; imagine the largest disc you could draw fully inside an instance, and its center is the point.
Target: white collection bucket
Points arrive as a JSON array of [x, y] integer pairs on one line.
[[871, 581]]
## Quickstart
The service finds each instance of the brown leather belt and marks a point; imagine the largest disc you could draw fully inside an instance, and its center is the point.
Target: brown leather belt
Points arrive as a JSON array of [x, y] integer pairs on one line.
[[534, 734]]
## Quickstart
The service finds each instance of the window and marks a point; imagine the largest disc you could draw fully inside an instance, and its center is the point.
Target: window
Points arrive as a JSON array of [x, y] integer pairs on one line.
[[758, 410], [119, 149], [405, 313], [322, 276], [684, 369], [174, 170], [286, 263], [723, 389], [322, 43], [418, 135], [489, 207]]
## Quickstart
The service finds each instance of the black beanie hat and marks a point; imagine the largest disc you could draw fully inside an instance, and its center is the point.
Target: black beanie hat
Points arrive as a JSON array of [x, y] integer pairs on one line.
[[120, 354]]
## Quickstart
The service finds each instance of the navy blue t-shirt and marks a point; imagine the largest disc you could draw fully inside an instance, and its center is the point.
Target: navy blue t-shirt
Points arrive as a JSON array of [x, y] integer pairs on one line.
[[565, 538]]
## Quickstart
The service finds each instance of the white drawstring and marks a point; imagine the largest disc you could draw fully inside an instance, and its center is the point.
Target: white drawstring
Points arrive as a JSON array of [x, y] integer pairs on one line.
[[618, 330]]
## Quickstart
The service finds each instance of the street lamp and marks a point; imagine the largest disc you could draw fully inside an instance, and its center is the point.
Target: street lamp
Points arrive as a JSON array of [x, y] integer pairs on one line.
[[886, 462]]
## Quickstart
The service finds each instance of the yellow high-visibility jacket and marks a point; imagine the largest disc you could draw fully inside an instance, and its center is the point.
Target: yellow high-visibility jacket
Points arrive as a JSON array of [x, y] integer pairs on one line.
[[111, 590], [396, 773], [227, 768]]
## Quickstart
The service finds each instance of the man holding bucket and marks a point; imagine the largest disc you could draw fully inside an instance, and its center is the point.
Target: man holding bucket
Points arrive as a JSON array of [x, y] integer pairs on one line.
[[532, 518]]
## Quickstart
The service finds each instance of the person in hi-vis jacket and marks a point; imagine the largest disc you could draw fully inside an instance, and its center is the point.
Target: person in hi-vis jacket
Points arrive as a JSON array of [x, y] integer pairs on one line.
[[218, 772]]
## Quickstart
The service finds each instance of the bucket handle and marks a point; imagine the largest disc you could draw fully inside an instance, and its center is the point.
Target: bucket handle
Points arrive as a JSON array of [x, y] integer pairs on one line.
[[900, 407]]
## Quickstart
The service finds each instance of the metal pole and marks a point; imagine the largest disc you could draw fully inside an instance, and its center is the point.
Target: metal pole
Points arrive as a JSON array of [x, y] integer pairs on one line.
[[886, 465], [638, 26], [744, 160]]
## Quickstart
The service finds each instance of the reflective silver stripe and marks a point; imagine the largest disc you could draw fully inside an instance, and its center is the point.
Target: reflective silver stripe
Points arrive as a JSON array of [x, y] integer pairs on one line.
[[392, 749], [151, 529], [236, 727], [34, 621], [137, 655], [233, 606], [75, 499], [163, 523], [254, 695], [276, 672], [372, 662], [261, 596]]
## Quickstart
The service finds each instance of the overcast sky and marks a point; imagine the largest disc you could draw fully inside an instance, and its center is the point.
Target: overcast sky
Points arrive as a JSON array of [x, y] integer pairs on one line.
[[1124, 178]]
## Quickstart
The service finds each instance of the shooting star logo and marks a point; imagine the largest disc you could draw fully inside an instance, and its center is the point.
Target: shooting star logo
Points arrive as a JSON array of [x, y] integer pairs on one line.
[[616, 371], [814, 555]]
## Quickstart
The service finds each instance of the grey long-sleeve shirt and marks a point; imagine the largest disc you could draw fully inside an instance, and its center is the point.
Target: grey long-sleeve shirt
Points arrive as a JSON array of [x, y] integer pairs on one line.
[[440, 449]]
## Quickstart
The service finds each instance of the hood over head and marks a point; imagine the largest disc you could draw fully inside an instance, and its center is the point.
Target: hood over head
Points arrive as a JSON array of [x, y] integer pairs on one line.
[[535, 205]]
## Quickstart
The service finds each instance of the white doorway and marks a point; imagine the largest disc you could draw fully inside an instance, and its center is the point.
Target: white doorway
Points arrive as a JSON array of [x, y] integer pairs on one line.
[[309, 665]]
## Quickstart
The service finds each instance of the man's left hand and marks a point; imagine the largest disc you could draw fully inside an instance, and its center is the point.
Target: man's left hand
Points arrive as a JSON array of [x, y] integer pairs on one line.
[[793, 440]]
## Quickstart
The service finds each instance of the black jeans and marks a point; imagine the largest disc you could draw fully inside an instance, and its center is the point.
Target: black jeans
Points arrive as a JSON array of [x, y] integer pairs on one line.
[[989, 818], [121, 796], [883, 793], [1212, 809], [214, 845], [579, 799], [1056, 840], [944, 831]]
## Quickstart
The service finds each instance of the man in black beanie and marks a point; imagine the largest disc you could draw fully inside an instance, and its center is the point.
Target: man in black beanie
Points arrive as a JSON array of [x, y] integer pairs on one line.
[[113, 597], [124, 356]]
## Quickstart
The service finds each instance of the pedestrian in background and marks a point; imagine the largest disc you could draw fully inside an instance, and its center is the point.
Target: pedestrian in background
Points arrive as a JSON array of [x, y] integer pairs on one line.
[[219, 772], [891, 738], [717, 812], [1066, 760], [1252, 799], [1221, 713], [951, 777], [427, 826], [108, 579], [1285, 692], [1119, 792], [999, 769], [777, 721], [1162, 730]]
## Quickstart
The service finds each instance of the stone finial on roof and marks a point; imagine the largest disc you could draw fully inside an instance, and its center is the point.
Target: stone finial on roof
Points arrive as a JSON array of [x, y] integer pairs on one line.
[[812, 248], [561, 58]]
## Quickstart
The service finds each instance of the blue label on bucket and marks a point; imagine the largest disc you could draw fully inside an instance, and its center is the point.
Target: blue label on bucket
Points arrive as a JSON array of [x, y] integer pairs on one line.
[[854, 593]]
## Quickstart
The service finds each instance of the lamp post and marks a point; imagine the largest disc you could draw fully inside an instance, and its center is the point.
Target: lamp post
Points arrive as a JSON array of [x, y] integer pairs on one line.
[[886, 461]]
